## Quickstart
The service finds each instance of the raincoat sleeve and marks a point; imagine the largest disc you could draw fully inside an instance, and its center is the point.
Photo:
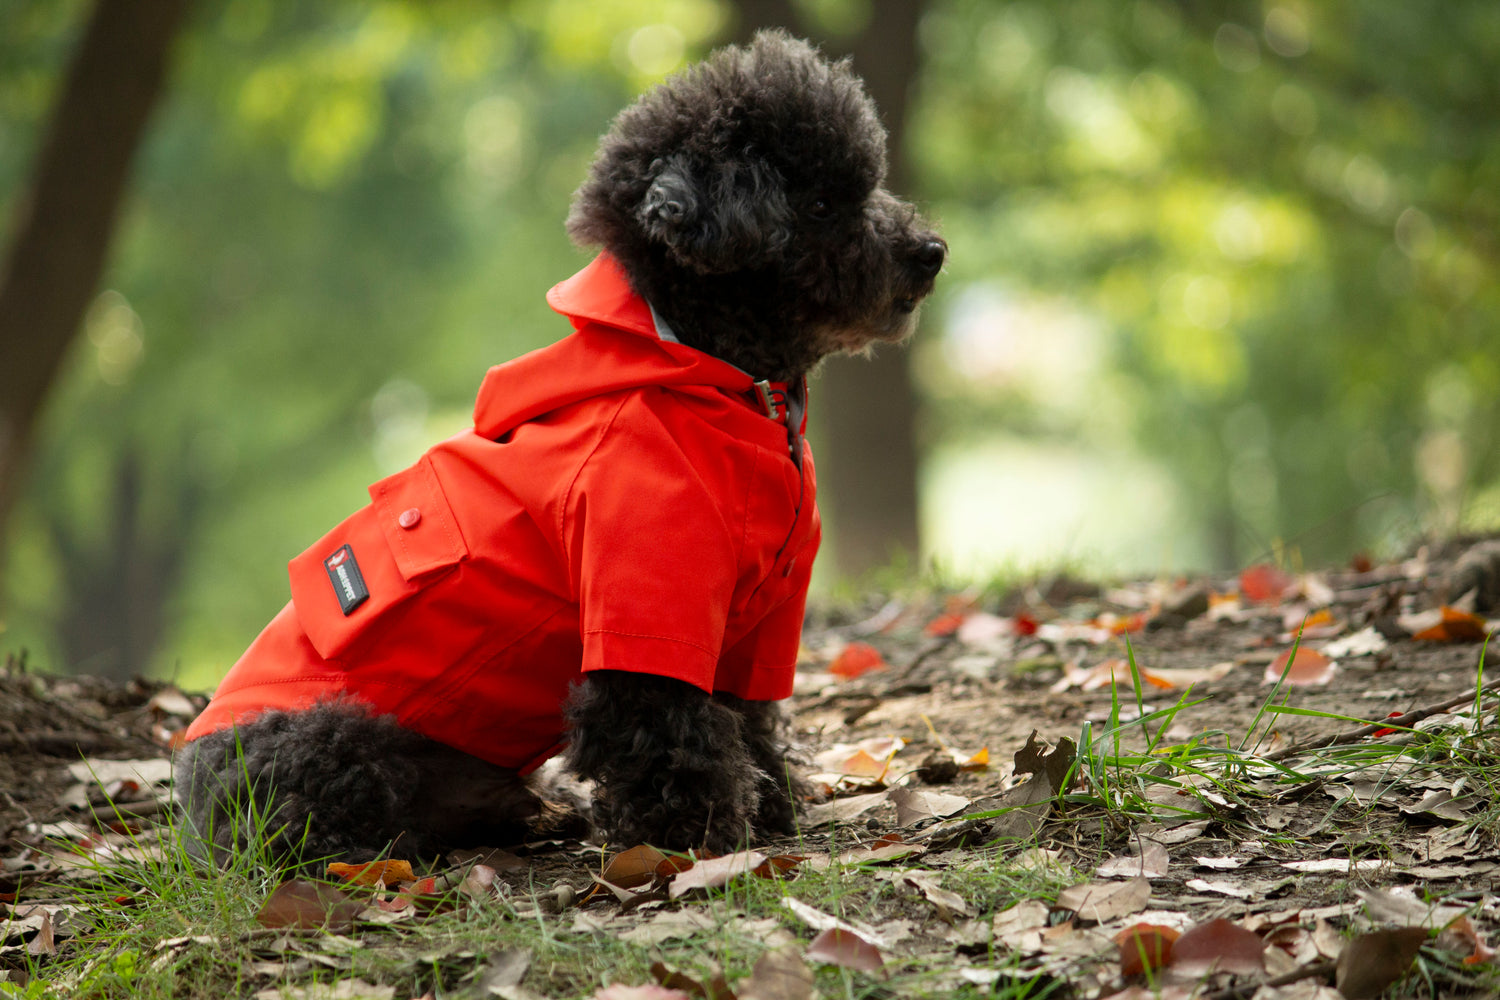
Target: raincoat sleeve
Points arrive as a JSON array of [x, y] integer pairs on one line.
[[651, 553]]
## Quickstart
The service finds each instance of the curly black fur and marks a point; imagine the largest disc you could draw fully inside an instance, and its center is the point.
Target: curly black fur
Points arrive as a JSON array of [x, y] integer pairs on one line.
[[744, 200], [335, 782]]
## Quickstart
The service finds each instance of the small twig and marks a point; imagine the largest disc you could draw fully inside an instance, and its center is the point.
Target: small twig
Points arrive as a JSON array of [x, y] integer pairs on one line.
[[1246, 990], [1398, 722]]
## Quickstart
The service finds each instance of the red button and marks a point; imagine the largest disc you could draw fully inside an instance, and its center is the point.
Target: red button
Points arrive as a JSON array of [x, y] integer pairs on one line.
[[409, 518]]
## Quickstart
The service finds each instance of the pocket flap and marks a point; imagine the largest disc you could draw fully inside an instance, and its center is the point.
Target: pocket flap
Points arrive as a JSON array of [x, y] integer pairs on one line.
[[418, 524], [375, 561]]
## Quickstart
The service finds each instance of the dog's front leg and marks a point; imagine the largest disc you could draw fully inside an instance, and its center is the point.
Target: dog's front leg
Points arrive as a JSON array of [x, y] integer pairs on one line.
[[765, 738], [671, 764]]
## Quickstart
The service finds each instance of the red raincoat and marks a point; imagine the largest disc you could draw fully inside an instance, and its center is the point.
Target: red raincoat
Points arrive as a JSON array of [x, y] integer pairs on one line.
[[622, 502]]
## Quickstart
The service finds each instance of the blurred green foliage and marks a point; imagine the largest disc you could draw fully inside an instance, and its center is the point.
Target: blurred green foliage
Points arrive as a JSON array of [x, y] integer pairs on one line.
[[1278, 221]]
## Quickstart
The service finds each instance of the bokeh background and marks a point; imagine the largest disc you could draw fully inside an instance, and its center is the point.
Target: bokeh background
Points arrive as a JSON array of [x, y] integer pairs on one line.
[[1222, 286]]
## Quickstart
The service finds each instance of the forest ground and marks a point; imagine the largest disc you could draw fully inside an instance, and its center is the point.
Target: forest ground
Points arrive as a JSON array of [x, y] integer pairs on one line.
[[1050, 789]]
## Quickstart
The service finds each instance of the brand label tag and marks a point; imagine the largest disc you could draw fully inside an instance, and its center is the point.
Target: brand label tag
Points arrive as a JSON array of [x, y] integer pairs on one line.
[[348, 583]]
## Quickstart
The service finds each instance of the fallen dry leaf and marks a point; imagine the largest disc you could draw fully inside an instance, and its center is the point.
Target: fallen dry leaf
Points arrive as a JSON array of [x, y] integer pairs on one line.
[[914, 805], [856, 660], [1144, 947], [1219, 946], [303, 904], [1371, 962], [44, 942], [950, 904], [633, 867], [1264, 584], [820, 921], [1454, 625], [1310, 667], [714, 989], [1151, 862], [715, 873], [837, 946], [1462, 936], [371, 872], [1102, 902], [845, 809], [779, 974]]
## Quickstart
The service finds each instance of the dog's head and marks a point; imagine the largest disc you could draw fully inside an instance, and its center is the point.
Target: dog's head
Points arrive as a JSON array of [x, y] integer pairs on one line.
[[743, 198]]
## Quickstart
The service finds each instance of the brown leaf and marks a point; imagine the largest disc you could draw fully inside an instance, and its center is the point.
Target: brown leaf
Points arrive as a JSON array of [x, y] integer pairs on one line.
[[389, 872], [1102, 902], [302, 904], [778, 975], [1310, 667], [1219, 946], [1144, 947], [837, 946], [1462, 936], [914, 805], [44, 942], [715, 989], [714, 873], [1151, 862], [634, 867], [1371, 962]]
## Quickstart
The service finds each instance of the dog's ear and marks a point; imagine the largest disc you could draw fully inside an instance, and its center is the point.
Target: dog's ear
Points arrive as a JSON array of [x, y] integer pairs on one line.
[[716, 217]]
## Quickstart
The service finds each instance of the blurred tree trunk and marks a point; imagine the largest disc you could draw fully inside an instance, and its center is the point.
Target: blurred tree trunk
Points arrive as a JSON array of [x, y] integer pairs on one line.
[[866, 408], [61, 228]]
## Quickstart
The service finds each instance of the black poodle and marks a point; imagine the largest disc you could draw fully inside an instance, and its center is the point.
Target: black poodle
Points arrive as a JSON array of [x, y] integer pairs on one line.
[[746, 235]]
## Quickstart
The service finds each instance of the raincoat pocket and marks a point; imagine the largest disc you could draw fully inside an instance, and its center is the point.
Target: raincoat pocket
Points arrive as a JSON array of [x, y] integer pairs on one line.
[[377, 560]]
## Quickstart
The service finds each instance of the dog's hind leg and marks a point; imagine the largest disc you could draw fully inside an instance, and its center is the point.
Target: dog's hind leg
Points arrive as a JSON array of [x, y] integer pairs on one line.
[[335, 783], [671, 765]]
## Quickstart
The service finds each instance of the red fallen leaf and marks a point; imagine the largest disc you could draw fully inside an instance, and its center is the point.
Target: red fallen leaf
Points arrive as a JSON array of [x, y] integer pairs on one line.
[[779, 865], [1025, 624], [836, 946], [1219, 946], [1311, 667], [945, 624], [1456, 626], [1387, 732], [1144, 947], [633, 867], [856, 659], [1264, 584], [674, 863], [370, 872], [303, 904]]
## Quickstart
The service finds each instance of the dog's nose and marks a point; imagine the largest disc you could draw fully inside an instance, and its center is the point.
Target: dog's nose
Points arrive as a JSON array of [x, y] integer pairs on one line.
[[930, 256]]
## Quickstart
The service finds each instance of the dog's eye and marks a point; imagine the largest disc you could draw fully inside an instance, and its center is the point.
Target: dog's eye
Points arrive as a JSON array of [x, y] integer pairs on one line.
[[821, 208]]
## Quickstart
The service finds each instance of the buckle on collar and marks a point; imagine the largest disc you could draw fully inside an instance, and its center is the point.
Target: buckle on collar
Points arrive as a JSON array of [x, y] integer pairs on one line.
[[772, 399]]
